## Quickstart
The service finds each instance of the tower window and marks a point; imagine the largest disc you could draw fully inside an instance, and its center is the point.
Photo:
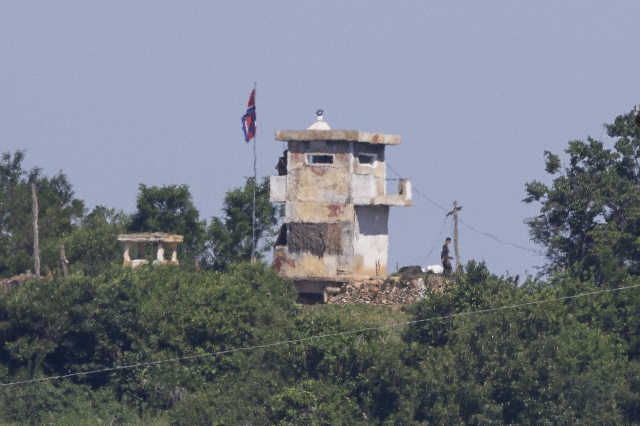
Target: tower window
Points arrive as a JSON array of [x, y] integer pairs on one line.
[[368, 159], [319, 159]]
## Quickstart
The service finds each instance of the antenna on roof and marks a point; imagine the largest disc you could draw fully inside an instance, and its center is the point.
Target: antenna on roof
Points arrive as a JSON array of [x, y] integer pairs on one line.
[[319, 124]]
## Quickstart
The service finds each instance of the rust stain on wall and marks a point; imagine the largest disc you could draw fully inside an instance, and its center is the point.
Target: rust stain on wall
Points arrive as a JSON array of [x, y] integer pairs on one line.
[[318, 171], [281, 260], [335, 209]]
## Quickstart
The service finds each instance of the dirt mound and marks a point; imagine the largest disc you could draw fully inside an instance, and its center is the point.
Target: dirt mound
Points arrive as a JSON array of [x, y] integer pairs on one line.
[[16, 281], [395, 290]]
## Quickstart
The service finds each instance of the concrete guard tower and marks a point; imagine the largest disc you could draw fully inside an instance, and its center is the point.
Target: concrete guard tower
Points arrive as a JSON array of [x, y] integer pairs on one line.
[[337, 208]]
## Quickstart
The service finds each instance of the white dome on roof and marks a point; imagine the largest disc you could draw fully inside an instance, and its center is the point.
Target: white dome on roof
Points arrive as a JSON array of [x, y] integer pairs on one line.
[[319, 125]]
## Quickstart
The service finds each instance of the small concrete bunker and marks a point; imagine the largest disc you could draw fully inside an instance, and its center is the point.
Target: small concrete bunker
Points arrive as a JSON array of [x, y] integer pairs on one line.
[[336, 207], [159, 238]]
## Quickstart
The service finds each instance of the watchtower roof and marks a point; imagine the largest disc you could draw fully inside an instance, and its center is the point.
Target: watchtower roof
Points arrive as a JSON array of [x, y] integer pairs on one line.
[[337, 135]]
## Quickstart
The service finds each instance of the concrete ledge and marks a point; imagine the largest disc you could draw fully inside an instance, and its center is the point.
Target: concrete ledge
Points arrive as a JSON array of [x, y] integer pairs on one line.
[[337, 135], [391, 200], [137, 262], [151, 237], [331, 279], [401, 199]]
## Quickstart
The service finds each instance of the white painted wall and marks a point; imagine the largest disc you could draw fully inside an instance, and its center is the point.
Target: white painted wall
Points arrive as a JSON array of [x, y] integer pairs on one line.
[[278, 186], [371, 237], [363, 189]]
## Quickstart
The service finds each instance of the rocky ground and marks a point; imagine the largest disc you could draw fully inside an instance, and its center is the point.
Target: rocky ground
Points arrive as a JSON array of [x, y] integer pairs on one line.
[[16, 281], [395, 290]]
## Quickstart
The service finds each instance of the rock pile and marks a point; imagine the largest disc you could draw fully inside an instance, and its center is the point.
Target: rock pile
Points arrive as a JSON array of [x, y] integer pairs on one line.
[[16, 281], [395, 290]]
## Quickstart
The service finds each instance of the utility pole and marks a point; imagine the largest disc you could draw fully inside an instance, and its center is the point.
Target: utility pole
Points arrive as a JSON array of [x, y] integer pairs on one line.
[[454, 212], [63, 262], [36, 242]]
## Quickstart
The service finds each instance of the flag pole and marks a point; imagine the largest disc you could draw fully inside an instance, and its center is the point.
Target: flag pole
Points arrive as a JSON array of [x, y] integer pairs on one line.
[[255, 183]]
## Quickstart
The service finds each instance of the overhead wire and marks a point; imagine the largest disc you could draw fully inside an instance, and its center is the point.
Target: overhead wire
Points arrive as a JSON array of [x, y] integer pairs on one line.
[[417, 191], [319, 336], [435, 241], [538, 252], [486, 234]]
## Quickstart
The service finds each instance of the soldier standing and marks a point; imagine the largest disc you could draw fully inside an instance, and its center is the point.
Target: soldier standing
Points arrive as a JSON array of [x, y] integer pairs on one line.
[[281, 167], [445, 258]]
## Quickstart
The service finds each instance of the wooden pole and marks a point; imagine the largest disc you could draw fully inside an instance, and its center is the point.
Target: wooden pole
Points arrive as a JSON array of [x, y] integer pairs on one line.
[[63, 261], [36, 242], [455, 234], [454, 212]]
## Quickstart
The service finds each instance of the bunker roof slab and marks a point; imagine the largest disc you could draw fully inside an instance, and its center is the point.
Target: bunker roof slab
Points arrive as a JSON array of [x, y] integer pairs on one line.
[[151, 237], [337, 135]]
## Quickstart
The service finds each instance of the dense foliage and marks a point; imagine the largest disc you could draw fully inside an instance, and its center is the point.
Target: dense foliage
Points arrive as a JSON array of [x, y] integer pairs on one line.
[[589, 219], [170, 209], [230, 238], [90, 239], [58, 209], [226, 344], [572, 361]]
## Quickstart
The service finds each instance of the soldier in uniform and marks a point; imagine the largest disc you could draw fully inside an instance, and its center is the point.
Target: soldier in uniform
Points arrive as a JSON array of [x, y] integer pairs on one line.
[[445, 258], [281, 167]]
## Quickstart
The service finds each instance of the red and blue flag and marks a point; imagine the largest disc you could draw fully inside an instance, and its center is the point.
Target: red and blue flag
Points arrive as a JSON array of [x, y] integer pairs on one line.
[[249, 119]]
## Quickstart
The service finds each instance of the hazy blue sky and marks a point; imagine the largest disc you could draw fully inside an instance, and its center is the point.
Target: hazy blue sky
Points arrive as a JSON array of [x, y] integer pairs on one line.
[[116, 94]]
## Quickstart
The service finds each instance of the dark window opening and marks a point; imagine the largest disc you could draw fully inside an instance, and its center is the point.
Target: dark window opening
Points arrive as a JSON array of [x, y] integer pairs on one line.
[[310, 298], [366, 158], [320, 159], [282, 236]]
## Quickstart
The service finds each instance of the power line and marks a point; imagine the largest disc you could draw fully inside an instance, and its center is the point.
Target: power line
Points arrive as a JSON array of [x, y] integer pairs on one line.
[[437, 240], [417, 191], [319, 336], [486, 234], [538, 252]]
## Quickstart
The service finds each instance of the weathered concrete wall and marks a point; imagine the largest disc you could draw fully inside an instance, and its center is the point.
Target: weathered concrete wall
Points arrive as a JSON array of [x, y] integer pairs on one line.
[[320, 183], [364, 189], [318, 212], [377, 170], [316, 250], [371, 240], [305, 265]]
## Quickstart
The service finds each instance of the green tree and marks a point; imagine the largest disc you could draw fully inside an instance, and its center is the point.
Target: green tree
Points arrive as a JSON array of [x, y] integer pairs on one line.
[[170, 209], [58, 211], [229, 238], [94, 245], [589, 218], [124, 316]]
